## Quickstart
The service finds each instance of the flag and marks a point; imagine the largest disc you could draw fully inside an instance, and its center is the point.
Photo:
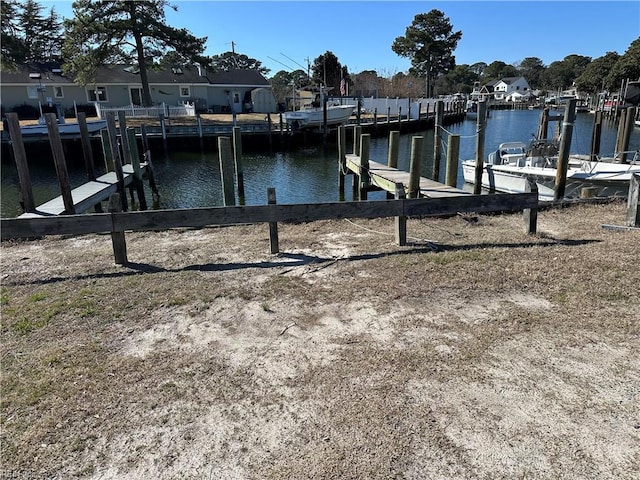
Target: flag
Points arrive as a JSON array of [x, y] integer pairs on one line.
[[343, 86]]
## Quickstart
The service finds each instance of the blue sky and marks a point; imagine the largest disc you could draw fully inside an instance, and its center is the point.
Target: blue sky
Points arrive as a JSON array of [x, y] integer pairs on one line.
[[285, 34]]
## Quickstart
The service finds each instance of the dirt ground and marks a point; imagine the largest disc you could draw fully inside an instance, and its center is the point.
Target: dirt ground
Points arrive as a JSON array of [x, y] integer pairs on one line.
[[475, 352]]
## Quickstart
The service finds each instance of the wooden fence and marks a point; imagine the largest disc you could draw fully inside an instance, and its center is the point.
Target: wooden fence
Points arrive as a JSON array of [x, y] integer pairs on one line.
[[117, 223]]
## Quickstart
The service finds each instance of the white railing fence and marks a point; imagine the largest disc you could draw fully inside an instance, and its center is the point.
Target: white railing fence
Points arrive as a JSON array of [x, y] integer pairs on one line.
[[184, 110]]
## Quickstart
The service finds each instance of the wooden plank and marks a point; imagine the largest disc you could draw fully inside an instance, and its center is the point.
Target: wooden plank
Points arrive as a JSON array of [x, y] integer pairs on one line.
[[55, 225], [424, 207]]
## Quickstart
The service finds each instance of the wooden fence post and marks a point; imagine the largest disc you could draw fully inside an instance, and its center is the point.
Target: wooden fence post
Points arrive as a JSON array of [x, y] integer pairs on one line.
[[274, 244], [633, 202]]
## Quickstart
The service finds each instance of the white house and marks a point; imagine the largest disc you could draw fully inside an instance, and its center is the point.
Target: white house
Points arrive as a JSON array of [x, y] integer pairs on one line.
[[506, 86]]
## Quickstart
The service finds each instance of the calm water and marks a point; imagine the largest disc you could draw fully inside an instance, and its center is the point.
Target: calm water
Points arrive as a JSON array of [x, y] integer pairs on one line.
[[192, 179]]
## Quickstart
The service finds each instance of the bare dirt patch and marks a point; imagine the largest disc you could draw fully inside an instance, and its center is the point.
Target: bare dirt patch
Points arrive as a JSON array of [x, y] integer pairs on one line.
[[475, 352]]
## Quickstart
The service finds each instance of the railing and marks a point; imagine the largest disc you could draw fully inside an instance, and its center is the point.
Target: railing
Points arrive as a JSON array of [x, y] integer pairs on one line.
[[184, 110]]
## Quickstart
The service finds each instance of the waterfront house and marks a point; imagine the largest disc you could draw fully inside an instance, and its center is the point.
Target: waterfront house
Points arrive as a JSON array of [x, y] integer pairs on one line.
[[506, 86], [46, 85]]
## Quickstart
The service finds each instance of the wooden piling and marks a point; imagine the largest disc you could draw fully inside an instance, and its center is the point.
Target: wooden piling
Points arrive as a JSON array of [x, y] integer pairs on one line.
[[437, 138], [59, 160], [530, 215], [150, 172], [363, 177], [543, 126], [237, 161], [342, 161], [626, 120], [22, 166], [137, 170], [414, 169], [633, 202], [107, 151], [226, 170], [163, 128], [357, 131], [400, 221], [274, 243], [85, 141], [596, 136], [480, 132], [117, 159], [394, 149], [453, 154], [565, 146]]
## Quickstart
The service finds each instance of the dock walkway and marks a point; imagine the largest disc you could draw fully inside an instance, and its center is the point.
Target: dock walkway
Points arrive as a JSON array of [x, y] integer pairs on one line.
[[88, 194]]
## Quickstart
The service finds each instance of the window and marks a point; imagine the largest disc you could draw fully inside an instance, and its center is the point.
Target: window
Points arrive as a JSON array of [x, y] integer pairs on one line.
[[185, 91], [57, 92], [97, 94]]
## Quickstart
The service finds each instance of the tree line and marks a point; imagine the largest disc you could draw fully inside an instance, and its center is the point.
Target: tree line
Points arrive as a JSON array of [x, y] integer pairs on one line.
[[135, 32]]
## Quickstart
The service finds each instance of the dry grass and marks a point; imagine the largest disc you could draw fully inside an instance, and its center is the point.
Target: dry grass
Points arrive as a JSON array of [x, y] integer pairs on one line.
[[474, 352]]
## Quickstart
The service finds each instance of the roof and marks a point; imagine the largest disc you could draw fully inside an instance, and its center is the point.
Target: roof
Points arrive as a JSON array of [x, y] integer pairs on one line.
[[37, 73]]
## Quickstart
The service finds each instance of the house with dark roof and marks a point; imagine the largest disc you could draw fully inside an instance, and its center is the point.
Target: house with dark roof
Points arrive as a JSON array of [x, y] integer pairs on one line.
[[119, 85]]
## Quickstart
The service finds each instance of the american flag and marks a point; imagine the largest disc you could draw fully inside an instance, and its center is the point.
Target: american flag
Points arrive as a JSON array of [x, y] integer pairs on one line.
[[343, 86]]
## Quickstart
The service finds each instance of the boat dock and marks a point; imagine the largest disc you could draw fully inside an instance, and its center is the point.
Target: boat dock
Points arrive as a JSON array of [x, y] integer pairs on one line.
[[122, 160]]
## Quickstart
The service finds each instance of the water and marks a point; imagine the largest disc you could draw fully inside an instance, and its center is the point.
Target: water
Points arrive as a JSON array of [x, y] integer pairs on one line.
[[192, 179]]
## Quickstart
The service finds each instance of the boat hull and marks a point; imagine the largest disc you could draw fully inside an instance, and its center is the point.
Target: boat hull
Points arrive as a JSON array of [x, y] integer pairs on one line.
[[610, 179], [336, 115]]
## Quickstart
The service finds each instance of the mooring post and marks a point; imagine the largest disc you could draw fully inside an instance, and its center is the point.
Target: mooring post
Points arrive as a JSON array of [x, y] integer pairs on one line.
[[357, 131], [453, 152], [150, 173], [401, 220], [342, 160], [530, 215], [137, 169], [117, 159], [118, 239], [596, 136], [414, 169], [480, 132], [627, 120], [237, 159], [87, 151], [633, 201], [437, 138], [274, 243], [364, 179], [543, 125], [565, 146], [226, 170], [163, 128], [22, 165], [394, 149], [57, 151]]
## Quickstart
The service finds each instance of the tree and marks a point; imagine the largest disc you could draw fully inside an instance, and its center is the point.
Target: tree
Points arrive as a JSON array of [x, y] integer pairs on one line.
[[12, 46], [429, 42], [498, 70], [284, 83], [41, 35], [231, 60], [561, 74], [627, 66], [327, 70], [460, 79], [129, 31], [532, 69], [593, 79]]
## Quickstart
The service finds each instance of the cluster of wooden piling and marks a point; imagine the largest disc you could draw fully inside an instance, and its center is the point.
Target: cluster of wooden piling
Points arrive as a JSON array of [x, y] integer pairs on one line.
[[121, 156]]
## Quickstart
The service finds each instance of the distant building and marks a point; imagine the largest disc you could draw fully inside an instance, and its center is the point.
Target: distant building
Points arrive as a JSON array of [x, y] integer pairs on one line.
[[45, 84], [504, 88]]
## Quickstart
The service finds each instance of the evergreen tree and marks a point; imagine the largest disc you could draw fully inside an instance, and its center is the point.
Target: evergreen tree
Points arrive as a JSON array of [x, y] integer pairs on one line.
[[134, 32]]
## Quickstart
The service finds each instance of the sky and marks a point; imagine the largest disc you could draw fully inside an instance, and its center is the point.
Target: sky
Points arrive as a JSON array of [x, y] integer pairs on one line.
[[286, 35]]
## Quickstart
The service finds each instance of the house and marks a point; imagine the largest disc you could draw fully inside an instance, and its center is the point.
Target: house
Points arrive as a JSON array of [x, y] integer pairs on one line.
[[506, 86], [479, 93], [46, 85]]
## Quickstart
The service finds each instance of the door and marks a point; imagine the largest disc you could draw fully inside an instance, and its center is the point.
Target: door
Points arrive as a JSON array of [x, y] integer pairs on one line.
[[136, 96]]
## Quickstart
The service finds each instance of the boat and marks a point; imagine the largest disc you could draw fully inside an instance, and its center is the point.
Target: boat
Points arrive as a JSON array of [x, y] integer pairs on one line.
[[312, 115], [65, 129], [508, 169]]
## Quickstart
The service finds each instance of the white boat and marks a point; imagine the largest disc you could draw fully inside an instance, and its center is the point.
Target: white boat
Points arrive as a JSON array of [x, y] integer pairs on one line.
[[65, 129], [508, 168], [314, 116]]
